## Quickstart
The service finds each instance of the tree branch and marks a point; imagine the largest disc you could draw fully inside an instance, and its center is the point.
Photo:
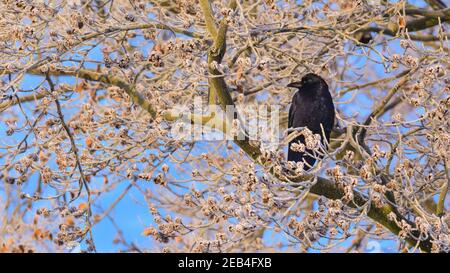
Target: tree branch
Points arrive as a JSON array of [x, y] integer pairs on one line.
[[431, 19], [209, 19]]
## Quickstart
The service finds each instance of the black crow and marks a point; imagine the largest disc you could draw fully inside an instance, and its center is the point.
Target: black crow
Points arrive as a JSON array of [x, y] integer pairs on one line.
[[312, 106]]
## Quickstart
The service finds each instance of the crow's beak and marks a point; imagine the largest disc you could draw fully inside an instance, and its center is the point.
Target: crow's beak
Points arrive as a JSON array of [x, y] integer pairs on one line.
[[295, 84]]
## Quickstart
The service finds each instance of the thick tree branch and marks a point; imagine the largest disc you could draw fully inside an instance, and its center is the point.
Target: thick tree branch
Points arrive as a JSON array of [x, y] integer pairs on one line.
[[443, 195], [209, 19], [436, 4], [430, 19]]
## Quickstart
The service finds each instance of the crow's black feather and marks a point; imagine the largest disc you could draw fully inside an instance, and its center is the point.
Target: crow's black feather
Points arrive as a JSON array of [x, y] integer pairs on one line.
[[312, 107]]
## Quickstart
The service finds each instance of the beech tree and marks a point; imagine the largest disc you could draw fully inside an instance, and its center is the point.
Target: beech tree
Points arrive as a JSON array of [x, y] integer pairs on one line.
[[90, 99]]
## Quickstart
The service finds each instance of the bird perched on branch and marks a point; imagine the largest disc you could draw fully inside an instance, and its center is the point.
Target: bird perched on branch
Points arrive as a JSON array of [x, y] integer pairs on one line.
[[312, 107]]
